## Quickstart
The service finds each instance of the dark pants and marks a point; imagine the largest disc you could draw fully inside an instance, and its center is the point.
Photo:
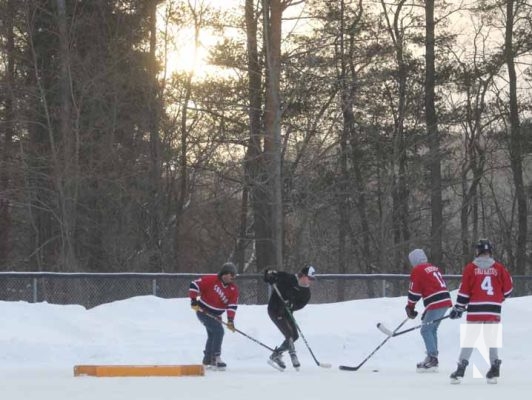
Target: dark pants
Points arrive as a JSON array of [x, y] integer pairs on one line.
[[286, 325], [215, 335]]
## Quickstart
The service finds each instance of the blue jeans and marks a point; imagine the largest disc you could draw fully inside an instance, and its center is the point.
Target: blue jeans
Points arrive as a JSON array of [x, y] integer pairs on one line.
[[215, 335], [429, 332]]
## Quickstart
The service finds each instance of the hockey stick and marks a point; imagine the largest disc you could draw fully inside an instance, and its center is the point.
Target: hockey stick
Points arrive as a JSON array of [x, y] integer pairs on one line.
[[356, 368], [237, 330], [319, 364], [388, 332]]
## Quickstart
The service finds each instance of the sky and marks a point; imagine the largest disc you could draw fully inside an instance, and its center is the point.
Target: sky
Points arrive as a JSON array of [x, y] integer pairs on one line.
[[40, 344]]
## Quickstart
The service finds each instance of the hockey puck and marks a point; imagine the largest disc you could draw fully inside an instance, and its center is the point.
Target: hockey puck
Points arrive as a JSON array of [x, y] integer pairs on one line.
[[375, 370]]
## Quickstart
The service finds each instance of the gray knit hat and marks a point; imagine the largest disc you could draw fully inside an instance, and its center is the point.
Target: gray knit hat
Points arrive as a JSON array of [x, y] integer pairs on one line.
[[228, 268]]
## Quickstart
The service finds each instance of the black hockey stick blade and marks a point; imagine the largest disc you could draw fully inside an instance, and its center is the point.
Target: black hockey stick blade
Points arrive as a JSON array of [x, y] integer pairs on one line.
[[348, 368]]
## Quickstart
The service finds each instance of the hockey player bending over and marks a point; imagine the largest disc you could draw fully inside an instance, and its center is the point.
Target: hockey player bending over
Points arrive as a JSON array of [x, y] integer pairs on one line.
[[295, 292]]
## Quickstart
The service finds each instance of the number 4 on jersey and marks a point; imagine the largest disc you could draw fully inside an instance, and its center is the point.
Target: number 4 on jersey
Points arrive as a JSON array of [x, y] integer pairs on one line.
[[487, 286]]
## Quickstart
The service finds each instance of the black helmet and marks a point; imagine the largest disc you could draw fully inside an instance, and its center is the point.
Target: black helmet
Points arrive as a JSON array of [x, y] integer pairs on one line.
[[483, 246], [228, 268]]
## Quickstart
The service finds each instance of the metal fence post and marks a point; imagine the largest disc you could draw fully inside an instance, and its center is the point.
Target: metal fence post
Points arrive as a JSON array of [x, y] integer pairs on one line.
[[154, 286], [34, 289]]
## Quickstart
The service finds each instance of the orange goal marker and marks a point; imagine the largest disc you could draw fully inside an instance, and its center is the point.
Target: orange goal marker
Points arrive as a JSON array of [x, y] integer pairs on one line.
[[139, 370]]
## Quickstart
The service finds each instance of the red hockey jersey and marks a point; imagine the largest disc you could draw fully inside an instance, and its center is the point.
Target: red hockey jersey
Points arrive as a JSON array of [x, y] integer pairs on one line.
[[427, 282], [215, 296], [483, 289]]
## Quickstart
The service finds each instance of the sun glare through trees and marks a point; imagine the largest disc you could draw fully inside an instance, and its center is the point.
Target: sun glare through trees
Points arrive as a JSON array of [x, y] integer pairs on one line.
[[188, 33]]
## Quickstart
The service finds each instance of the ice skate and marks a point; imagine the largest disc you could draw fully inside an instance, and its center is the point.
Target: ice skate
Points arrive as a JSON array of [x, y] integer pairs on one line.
[[293, 355], [493, 373], [429, 364], [295, 360], [456, 376], [276, 360], [207, 361], [218, 364]]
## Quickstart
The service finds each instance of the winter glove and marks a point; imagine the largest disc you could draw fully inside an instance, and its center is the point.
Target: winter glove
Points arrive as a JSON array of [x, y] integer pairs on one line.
[[231, 325], [195, 305], [270, 276], [410, 312], [289, 305], [456, 312]]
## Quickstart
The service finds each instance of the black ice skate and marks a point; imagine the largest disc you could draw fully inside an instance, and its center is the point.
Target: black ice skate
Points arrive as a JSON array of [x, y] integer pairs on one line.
[[456, 376], [429, 364], [494, 372], [276, 360], [207, 361]]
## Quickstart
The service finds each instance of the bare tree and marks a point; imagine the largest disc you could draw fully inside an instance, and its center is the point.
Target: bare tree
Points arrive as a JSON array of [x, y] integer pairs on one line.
[[433, 136], [516, 141], [154, 246], [6, 137], [272, 22], [255, 174], [398, 100]]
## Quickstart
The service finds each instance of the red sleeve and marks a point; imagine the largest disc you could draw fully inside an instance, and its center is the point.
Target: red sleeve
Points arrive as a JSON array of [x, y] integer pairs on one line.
[[233, 303], [507, 283], [415, 290], [194, 289], [464, 291]]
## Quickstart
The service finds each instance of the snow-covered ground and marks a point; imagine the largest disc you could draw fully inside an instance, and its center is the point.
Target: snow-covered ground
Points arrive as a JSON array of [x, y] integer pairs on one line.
[[41, 343]]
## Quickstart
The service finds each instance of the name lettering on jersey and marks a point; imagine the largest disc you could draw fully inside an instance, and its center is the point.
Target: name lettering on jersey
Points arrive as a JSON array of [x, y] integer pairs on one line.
[[487, 271], [221, 294], [431, 268]]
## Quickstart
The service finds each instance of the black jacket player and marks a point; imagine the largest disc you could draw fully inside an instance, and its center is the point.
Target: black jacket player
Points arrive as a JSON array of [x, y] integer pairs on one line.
[[293, 294]]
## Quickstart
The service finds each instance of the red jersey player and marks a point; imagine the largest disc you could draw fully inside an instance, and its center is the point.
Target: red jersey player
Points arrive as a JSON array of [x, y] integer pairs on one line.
[[211, 296], [485, 284], [427, 283]]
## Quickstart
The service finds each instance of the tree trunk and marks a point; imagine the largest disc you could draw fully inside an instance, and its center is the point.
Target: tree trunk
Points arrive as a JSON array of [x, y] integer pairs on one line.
[[67, 174], [9, 124], [272, 121], [434, 156], [400, 193], [343, 195], [254, 162], [155, 161], [516, 144]]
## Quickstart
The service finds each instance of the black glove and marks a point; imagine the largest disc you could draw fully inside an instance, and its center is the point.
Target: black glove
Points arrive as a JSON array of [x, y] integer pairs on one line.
[[410, 312], [456, 312], [194, 305], [270, 276]]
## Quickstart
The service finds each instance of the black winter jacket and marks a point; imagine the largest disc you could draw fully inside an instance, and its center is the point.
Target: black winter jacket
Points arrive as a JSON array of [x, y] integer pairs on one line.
[[295, 296]]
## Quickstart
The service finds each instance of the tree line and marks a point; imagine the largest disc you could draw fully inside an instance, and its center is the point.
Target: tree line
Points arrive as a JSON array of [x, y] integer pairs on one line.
[[338, 133]]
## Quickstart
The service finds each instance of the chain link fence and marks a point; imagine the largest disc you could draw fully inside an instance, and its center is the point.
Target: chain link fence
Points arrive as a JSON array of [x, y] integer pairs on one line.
[[93, 289]]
